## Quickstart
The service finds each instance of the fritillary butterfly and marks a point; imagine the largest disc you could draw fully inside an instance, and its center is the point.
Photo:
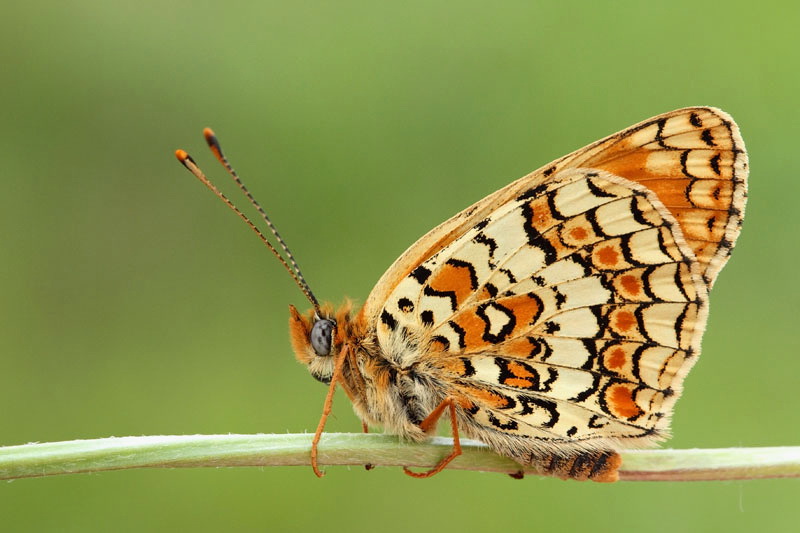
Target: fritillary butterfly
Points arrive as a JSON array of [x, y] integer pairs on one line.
[[556, 319]]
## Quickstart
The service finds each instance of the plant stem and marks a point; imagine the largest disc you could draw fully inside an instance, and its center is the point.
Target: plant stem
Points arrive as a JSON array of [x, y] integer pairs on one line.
[[171, 451]]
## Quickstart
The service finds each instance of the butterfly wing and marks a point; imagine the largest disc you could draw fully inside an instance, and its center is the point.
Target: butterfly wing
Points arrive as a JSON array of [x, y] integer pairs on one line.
[[693, 159], [570, 314]]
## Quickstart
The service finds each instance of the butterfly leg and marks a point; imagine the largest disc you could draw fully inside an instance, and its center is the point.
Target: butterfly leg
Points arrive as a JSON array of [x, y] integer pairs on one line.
[[326, 409], [428, 424], [365, 429], [599, 466]]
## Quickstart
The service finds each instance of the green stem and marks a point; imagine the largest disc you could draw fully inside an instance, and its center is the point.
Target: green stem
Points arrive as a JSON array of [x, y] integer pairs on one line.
[[69, 457]]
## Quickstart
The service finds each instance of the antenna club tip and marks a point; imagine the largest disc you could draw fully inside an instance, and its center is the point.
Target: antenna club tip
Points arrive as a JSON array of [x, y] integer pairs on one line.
[[183, 157], [211, 137], [213, 143]]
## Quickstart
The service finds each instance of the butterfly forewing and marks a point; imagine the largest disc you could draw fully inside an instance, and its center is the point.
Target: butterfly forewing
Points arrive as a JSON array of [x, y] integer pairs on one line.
[[569, 314], [693, 159]]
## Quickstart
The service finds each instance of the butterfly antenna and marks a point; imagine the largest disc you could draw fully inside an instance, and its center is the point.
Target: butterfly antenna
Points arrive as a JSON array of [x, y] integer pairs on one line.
[[216, 149], [187, 161]]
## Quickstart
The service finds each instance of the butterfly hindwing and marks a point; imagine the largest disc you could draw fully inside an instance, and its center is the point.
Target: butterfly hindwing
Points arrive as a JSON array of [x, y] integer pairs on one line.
[[569, 314]]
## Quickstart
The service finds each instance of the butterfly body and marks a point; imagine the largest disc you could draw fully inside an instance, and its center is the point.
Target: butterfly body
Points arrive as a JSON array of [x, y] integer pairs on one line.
[[385, 387]]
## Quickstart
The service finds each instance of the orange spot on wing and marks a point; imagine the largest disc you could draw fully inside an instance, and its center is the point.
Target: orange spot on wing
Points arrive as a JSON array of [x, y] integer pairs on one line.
[[526, 310], [520, 376], [620, 399], [452, 278], [608, 255], [438, 346], [624, 320], [519, 370], [484, 294], [617, 359], [518, 383], [631, 284], [488, 398], [473, 328], [542, 217], [517, 347], [578, 233]]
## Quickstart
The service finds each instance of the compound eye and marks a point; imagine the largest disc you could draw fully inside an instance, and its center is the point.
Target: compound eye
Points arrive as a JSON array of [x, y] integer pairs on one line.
[[322, 336]]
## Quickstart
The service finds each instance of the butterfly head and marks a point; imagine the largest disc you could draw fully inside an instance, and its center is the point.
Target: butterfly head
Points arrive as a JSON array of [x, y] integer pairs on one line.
[[319, 335]]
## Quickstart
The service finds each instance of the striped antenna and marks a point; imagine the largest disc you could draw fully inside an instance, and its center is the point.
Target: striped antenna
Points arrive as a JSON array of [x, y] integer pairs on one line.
[[293, 270]]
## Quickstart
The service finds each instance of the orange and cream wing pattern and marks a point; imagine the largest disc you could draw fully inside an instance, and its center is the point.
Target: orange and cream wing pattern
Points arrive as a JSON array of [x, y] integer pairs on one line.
[[692, 159], [568, 315]]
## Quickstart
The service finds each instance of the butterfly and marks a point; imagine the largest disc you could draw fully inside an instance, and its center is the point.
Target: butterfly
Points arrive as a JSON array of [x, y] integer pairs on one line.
[[556, 319]]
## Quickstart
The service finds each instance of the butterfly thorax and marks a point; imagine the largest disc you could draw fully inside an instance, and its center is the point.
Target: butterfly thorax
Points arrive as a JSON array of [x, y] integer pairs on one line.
[[388, 386]]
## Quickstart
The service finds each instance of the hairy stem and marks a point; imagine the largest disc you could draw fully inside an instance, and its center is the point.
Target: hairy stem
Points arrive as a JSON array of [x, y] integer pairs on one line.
[[119, 453]]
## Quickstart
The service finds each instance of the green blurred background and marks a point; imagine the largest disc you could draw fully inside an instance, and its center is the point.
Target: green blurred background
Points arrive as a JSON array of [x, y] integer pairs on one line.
[[133, 303]]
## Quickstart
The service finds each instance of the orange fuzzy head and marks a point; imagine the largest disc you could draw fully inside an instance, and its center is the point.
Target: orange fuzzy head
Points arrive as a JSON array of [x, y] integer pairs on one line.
[[317, 338]]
